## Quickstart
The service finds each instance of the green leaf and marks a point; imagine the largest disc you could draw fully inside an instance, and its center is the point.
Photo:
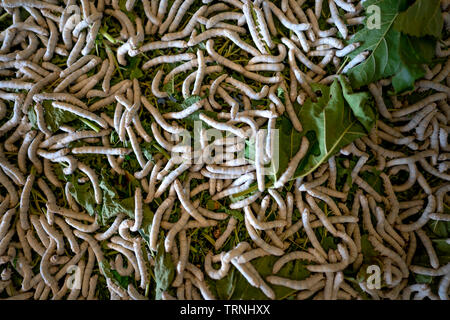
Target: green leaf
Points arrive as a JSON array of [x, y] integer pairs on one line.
[[328, 243], [359, 104], [114, 275], [33, 118], [414, 52], [337, 119], [441, 229], [113, 204], [148, 150], [420, 278], [441, 246], [189, 101], [169, 87], [55, 117], [383, 44], [423, 18], [164, 270], [237, 214], [393, 50], [133, 70], [83, 195]]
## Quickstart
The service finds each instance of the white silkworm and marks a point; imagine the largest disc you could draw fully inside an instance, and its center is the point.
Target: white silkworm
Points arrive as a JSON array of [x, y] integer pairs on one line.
[[355, 61], [259, 225], [137, 245], [247, 90], [156, 222], [94, 180], [236, 67], [389, 253], [159, 45], [224, 236], [310, 233], [300, 56], [434, 261], [92, 243], [337, 19], [186, 203], [293, 163], [260, 242], [295, 284], [252, 28], [168, 59], [222, 126]]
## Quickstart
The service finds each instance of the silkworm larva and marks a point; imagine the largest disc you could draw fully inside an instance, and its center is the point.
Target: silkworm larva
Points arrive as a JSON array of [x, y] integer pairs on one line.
[[236, 67], [260, 242], [285, 21], [224, 236], [183, 258], [154, 231], [178, 226], [259, 225], [168, 59], [187, 29], [337, 19], [434, 261], [137, 245], [160, 45], [44, 267], [293, 163], [295, 284], [222, 126]]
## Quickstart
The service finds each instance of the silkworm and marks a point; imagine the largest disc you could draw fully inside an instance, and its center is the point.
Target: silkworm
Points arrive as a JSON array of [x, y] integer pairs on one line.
[[156, 222], [260, 242], [187, 205], [300, 56], [222, 126], [434, 261], [140, 262], [179, 15], [293, 163], [285, 21], [224, 236], [259, 225], [187, 29], [232, 65]]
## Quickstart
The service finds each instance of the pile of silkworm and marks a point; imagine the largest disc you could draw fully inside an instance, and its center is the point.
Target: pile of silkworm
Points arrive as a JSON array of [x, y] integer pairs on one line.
[[49, 58]]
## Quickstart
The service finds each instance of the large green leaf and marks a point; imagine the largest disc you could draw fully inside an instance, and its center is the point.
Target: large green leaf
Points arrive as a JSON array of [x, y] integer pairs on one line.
[[164, 270], [337, 119], [394, 51], [423, 18], [414, 52], [383, 43]]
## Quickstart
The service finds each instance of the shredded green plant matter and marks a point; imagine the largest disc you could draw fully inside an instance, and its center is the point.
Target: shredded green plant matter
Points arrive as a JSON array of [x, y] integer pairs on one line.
[[235, 150]]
